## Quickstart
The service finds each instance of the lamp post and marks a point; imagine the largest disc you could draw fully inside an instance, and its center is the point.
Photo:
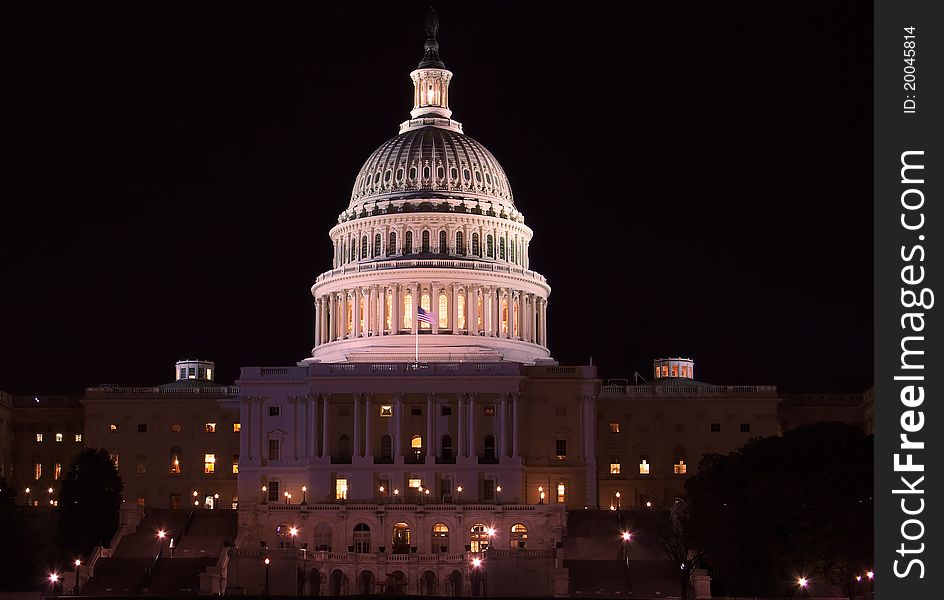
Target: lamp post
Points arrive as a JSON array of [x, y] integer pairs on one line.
[[498, 493], [50, 496], [396, 495], [478, 566], [27, 496], [627, 538], [54, 581], [77, 564], [293, 533], [380, 493], [618, 495], [305, 494], [265, 590], [459, 494], [265, 489]]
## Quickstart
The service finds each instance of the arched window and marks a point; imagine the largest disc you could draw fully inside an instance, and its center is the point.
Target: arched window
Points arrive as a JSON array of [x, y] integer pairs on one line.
[[425, 240], [679, 463], [511, 249], [175, 458], [476, 251], [377, 240], [408, 311], [362, 538], [478, 537], [442, 243], [460, 243], [446, 447], [413, 173], [426, 173], [440, 173], [353, 250], [408, 243], [387, 176], [386, 447], [518, 536], [399, 174], [453, 173], [489, 246], [364, 247], [283, 530], [460, 309], [466, 175], [388, 311], [401, 539], [416, 446], [514, 332], [440, 538], [323, 537], [504, 316], [424, 302], [489, 447], [501, 248], [443, 311], [392, 243]]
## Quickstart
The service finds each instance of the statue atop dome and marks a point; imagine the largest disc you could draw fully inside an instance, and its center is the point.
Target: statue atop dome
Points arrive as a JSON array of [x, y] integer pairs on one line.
[[431, 58]]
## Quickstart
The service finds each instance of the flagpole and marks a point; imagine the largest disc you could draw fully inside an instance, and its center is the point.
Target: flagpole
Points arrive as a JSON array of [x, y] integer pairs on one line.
[[416, 337]]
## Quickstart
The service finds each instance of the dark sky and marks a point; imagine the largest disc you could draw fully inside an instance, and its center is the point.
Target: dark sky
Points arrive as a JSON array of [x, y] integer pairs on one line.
[[698, 178]]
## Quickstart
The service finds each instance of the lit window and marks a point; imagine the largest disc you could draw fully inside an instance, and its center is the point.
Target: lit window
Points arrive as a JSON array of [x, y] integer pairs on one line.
[[665, 370], [57, 473], [78, 437], [113, 428], [38, 471], [340, 488], [674, 370], [209, 374], [175, 465], [443, 311], [614, 427], [275, 411], [386, 410], [615, 465], [273, 449], [424, 303], [209, 427], [388, 311], [643, 466], [235, 502], [415, 483], [408, 311], [175, 428], [235, 464], [461, 311], [58, 437], [236, 427], [519, 536], [209, 463], [490, 410], [561, 489], [684, 371], [39, 437], [560, 447], [680, 467], [140, 501]]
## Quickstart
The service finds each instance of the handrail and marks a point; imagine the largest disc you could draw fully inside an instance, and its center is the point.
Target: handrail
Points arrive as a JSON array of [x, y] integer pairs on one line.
[[435, 263]]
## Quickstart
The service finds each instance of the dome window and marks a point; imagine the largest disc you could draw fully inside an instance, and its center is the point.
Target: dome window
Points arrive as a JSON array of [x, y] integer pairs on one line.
[[478, 177], [399, 174], [408, 243], [442, 242], [501, 248], [427, 173], [364, 247], [488, 178], [460, 243], [476, 251], [376, 177], [413, 173], [440, 173], [377, 245], [425, 238], [489, 247], [392, 244], [466, 175], [453, 173], [387, 176]]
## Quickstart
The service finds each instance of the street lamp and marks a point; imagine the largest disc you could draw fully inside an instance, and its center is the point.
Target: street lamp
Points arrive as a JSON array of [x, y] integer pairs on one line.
[[870, 574], [305, 494], [498, 493], [478, 563], [264, 490], [627, 538], [459, 494], [77, 563], [161, 535], [396, 494], [54, 581], [293, 532], [265, 590], [27, 496], [618, 496]]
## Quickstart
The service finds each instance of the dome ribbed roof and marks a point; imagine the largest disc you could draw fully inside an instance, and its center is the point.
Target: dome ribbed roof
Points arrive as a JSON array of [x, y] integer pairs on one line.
[[428, 160]]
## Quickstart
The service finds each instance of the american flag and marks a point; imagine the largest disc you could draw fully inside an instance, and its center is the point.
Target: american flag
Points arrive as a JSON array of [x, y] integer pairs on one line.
[[424, 316]]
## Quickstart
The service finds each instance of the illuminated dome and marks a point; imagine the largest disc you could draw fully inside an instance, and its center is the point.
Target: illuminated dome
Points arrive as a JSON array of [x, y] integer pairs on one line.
[[432, 162], [431, 256]]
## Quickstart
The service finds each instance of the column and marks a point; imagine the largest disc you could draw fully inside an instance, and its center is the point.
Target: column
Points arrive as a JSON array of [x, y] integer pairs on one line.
[[460, 429], [544, 323], [496, 312], [473, 441], [367, 419], [344, 301], [357, 427], [312, 425], [516, 426], [373, 312], [262, 450], [503, 426], [317, 321], [430, 434], [356, 325], [534, 319], [326, 429], [398, 420], [510, 300], [471, 311], [245, 433]]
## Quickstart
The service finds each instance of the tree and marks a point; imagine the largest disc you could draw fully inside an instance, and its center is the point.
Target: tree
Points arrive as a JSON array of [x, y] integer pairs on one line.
[[89, 501], [15, 558], [781, 507], [667, 529]]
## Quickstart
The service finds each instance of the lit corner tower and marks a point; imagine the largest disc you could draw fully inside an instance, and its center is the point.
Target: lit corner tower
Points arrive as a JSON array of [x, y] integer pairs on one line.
[[431, 256]]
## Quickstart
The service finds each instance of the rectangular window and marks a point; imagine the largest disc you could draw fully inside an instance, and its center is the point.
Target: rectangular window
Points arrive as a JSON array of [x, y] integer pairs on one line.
[[490, 410], [643, 466], [175, 465], [386, 410], [58, 437], [142, 464], [141, 501], [113, 428], [39, 437], [415, 483], [235, 502], [560, 411], [715, 427], [614, 427], [615, 465], [416, 411], [745, 427], [209, 463], [560, 448], [57, 473], [235, 427], [274, 411], [209, 427], [273, 491], [78, 437], [445, 411], [142, 427], [235, 464], [273, 449], [340, 488], [680, 467], [38, 471], [561, 489], [488, 490]]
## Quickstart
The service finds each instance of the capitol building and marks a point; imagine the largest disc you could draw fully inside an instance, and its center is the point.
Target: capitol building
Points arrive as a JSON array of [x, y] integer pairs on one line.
[[430, 444]]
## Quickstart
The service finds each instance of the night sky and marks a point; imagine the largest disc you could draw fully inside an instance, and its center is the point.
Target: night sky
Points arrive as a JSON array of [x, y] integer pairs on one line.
[[698, 178]]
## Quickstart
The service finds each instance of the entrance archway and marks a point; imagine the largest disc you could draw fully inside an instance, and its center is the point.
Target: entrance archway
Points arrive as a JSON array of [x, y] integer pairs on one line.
[[428, 584], [365, 583]]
